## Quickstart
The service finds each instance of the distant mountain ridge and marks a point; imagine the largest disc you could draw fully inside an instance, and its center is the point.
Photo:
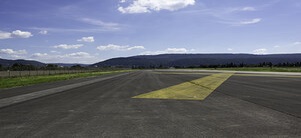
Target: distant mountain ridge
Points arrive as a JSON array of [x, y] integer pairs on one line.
[[8, 62], [186, 60], [69, 64], [175, 60]]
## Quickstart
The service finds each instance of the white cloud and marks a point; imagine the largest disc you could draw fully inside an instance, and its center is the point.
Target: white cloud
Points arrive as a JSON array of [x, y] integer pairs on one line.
[[260, 51], [133, 9], [12, 52], [43, 32], [144, 6], [15, 54], [86, 39], [152, 52], [53, 51], [21, 34], [240, 23], [135, 47], [168, 51], [248, 9], [77, 30], [238, 9], [276, 46], [78, 55], [106, 25], [5, 35], [39, 55], [45, 57], [253, 21], [65, 46], [119, 48], [227, 15], [230, 49], [176, 50], [15, 34], [297, 43]]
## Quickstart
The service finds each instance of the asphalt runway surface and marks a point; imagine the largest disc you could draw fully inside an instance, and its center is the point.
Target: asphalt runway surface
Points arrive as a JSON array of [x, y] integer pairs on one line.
[[245, 105]]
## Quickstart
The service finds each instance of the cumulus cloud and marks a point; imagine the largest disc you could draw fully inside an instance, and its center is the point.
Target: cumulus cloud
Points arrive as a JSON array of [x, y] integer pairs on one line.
[[118, 47], [65, 46], [144, 6], [45, 57], [5, 35], [77, 57], [12, 52], [15, 54], [21, 34], [15, 34], [86, 39], [260, 51], [168, 51], [253, 21]]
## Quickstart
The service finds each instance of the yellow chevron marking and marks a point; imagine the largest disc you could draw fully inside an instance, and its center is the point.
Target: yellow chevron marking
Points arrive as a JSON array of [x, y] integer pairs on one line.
[[197, 89]]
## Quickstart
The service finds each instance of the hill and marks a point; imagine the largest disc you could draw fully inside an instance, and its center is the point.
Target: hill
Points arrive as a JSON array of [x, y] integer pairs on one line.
[[7, 62], [70, 64], [187, 60]]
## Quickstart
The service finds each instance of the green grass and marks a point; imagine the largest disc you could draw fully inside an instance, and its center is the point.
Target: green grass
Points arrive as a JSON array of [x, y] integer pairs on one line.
[[264, 69], [30, 80]]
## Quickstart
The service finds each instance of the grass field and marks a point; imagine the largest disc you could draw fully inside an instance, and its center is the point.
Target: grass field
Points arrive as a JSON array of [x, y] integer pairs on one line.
[[264, 69], [29, 80]]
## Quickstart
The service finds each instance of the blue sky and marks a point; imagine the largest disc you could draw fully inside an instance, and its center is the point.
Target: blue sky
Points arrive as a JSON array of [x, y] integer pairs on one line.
[[89, 31]]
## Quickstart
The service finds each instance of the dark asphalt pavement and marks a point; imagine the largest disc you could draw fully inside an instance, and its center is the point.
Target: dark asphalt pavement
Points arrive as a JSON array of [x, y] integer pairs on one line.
[[244, 106], [10, 92]]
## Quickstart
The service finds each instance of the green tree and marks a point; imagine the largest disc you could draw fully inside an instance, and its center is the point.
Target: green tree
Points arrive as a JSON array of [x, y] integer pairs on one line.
[[51, 66], [76, 67]]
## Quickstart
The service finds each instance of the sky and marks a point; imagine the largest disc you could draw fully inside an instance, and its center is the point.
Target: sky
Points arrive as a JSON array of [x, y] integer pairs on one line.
[[89, 31]]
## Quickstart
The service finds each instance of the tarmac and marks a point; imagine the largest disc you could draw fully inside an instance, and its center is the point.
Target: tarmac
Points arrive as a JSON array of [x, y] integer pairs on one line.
[[244, 105]]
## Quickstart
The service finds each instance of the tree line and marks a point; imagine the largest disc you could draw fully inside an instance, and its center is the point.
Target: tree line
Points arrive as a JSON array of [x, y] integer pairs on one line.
[[22, 67], [227, 65], [262, 64]]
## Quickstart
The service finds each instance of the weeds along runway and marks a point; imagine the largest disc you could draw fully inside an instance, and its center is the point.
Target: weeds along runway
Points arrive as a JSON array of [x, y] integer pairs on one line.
[[241, 105]]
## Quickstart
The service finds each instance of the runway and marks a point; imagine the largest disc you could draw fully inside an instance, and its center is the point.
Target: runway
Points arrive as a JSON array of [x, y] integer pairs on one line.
[[236, 105]]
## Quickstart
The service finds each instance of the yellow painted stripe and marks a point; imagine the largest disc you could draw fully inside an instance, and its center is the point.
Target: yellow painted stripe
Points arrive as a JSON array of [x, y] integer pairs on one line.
[[197, 89]]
